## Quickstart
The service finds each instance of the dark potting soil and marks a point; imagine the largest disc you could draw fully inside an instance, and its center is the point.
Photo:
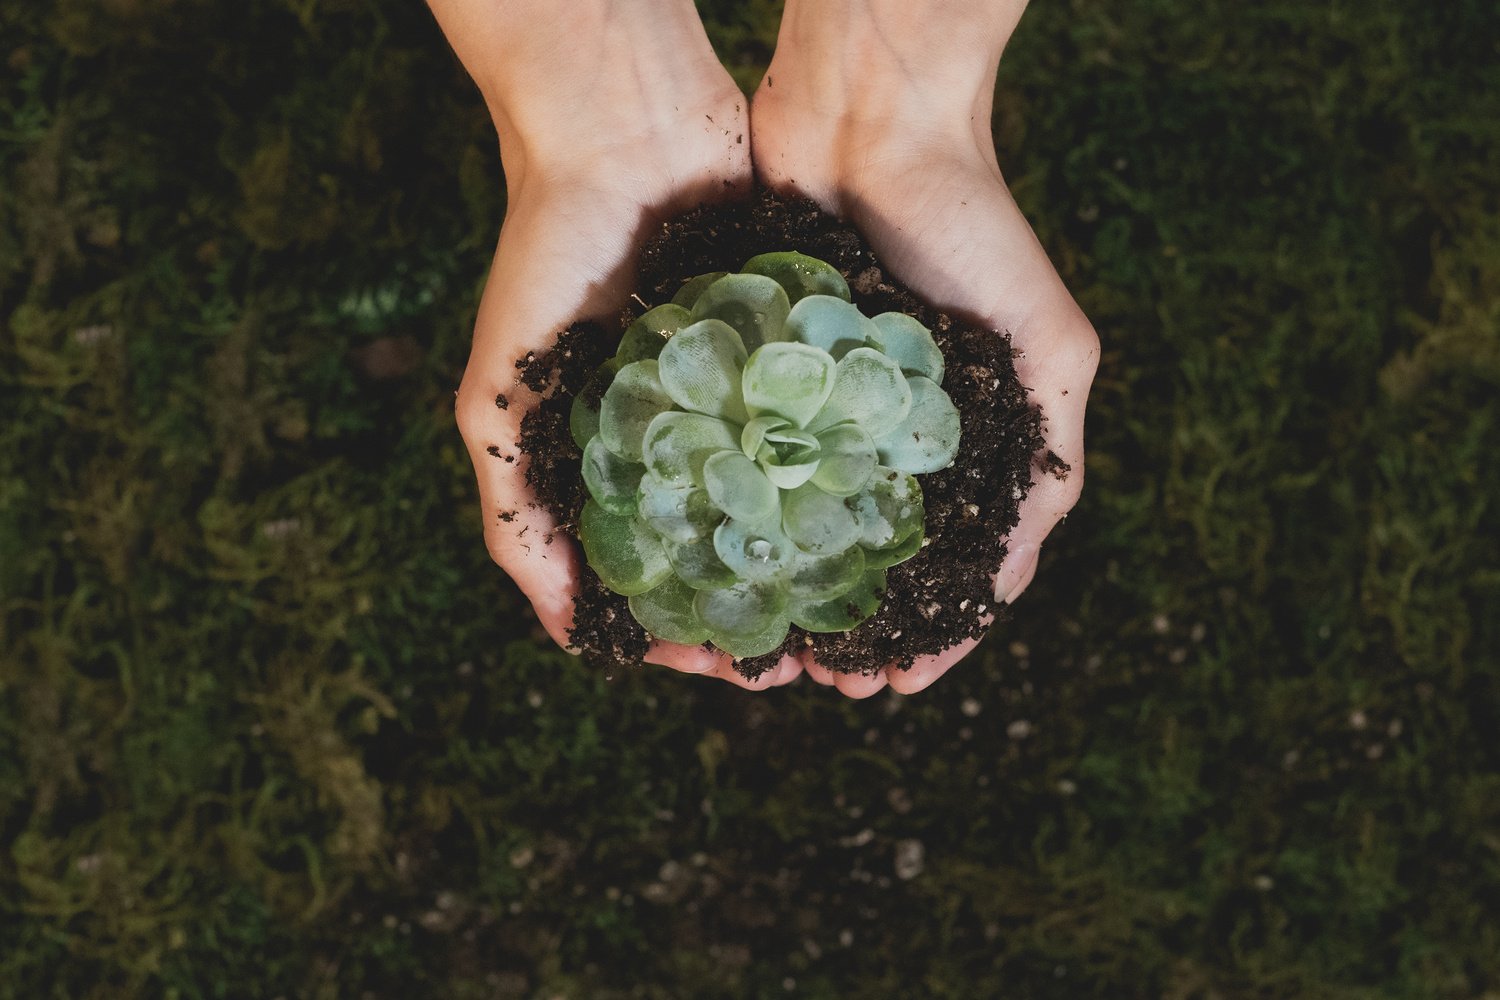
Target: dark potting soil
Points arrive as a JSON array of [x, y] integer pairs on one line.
[[936, 599]]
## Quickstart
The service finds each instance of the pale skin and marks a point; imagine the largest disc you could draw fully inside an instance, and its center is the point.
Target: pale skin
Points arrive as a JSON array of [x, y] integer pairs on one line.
[[619, 115]]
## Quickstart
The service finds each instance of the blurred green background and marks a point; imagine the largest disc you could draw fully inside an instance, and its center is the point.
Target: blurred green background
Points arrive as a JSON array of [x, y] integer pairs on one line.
[[271, 725]]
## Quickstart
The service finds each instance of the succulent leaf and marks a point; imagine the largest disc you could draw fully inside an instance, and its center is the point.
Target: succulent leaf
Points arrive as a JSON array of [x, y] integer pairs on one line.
[[799, 274], [698, 565], [843, 612], [627, 555], [773, 634], [739, 488], [896, 554], [666, 612], [788, 380], [907, 342], [888, 509], [583, 417], [822, 578], [645, 337], [745, 609], [829, 324], [687, 295], [750, 463], [818, 522], [753, 435], [632, 401], [613, 481], [927, 439], [789, 457], [676, 445], [754, 551], [701, 368], [756, 306], [869, 390], [679, 512], [846, 461]]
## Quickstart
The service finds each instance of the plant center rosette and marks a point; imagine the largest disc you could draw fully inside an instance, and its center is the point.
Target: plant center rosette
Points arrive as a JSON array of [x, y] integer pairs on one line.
[[752, 464]]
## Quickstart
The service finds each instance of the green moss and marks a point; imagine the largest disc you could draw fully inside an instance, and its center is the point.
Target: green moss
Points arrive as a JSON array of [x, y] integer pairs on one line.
[[272, 725]]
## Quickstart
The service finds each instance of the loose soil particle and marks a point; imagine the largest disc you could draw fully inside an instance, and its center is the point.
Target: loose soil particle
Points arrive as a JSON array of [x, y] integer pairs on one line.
[[939, 597]]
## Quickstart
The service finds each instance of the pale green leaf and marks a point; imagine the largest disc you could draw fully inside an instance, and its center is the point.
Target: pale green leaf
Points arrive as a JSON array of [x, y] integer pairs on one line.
[[818, 522], [739, 488], [678, 511], [772, 635], [832, 325], [702, 367], [754, 433], [896, 554], [633, 400], [822, 578], [788, 456], [625, 553], [645, 337], [688, 294], [792, 475], [613, 482], [697, 564], [754, 551], [889, 509], [844, 612], [744, 609], [676, 445], [907, 342], [927, 440], [846, 460], [788, 380], [868, 389], [799, 274], [753, 304], [790, 444], [667, 613], [583, 420]]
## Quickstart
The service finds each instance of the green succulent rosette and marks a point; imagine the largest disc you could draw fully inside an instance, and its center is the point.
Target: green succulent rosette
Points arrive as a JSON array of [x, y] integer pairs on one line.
[[752, 464]]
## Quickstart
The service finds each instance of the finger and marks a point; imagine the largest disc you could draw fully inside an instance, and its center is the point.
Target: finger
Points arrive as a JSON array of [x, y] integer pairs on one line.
[[816, 670], [688, 659], [860, 686], [927, 669], [788, 670]]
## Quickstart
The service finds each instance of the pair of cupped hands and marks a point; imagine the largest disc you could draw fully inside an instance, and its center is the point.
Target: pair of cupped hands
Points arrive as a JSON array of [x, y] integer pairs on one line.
[[614, 115]]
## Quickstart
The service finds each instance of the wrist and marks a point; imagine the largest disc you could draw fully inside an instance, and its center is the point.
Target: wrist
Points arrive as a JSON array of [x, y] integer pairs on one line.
[[567, 93], [927, 65]]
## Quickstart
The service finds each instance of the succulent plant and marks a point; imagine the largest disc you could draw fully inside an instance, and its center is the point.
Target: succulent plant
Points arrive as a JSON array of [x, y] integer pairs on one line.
[[752, 462]]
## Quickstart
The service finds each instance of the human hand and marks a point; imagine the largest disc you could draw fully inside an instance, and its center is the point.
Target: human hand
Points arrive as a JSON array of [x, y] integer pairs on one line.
[[610, 120], [879, 110]]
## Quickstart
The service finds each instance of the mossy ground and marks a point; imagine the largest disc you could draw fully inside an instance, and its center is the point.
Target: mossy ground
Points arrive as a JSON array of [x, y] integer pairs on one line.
[[271, 724]]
